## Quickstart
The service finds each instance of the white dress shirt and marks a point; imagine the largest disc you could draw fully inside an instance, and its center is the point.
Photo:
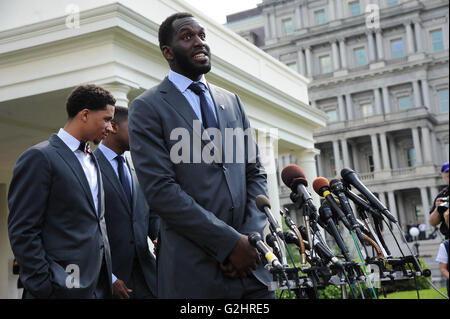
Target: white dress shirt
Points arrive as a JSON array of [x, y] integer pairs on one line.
[[86, 161]]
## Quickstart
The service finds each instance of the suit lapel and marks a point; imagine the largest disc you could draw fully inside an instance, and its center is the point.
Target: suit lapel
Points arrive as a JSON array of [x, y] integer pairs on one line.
[[220, 104], [134, 181], [176, 100], [69, 157], [111, 176]]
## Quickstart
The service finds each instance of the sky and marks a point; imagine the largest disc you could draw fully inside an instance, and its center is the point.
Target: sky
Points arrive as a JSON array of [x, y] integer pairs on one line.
[[219, 9]]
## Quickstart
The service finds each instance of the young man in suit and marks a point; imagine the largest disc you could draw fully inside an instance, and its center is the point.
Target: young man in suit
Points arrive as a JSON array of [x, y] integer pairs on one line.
[[128, 218], [206, 208], [56, 222]]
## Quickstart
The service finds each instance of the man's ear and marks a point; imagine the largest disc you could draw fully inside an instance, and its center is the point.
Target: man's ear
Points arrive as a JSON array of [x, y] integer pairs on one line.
[[83, 115], [114, 127], [167, 52]]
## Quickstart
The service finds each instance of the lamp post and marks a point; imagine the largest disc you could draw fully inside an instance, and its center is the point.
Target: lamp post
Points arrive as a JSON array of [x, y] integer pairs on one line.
[[414, 232]]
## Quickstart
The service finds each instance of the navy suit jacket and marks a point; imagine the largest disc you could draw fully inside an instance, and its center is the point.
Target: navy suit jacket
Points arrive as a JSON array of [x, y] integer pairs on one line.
[[128, 229], [53, 225]]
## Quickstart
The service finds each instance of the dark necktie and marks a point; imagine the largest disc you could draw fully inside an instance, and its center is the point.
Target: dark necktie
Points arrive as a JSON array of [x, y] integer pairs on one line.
[[208, 117], [84, 147], [123, 177]]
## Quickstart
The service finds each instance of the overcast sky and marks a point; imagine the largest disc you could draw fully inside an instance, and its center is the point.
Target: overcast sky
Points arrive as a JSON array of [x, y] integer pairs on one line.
[[219, 9]]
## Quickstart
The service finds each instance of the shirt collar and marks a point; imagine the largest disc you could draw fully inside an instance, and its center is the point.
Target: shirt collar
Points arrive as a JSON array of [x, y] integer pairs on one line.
[[109, 153], [182, 83], [68, 139]]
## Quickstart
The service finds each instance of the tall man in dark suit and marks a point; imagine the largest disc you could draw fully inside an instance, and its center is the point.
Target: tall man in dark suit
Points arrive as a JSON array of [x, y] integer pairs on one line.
[[56, 223], [127, 215], [206, 208]]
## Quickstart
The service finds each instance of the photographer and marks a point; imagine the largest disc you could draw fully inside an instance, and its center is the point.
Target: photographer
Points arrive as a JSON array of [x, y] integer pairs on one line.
[[441, 204]]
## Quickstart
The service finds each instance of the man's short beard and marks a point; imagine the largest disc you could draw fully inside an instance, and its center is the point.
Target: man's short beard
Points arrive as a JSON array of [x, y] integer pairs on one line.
[[190, 69]]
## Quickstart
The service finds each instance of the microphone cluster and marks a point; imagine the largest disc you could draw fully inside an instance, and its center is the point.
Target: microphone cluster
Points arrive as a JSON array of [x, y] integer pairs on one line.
[[320, 265]]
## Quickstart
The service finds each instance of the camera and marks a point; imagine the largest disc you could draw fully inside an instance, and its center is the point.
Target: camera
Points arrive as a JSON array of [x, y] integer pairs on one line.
[[444, 202]]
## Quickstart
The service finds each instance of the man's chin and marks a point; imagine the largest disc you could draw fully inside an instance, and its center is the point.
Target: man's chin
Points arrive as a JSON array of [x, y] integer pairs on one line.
[[96, 141]]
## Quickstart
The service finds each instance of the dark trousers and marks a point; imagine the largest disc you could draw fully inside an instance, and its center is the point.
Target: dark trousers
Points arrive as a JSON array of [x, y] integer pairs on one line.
[[248, 288], [138, 284], [103, 290]]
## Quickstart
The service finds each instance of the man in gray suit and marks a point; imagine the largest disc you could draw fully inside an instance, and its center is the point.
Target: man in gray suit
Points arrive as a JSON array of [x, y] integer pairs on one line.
[[128, 218], [206, 208], [56, 222]]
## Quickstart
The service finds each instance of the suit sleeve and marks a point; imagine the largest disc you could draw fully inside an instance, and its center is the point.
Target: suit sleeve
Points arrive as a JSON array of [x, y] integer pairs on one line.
[[165, 196], [256, 179], [27, 201], [153, 225]]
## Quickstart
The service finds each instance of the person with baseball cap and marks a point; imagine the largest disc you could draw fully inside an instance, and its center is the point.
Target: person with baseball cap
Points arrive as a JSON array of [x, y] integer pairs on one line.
[[440, 206]]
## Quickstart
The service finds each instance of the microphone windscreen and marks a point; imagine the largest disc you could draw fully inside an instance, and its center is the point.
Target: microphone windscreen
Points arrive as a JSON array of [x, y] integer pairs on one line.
[[346, 171], [261, 202], [334, 182], [253, 238], [320, 182], [292, 175]]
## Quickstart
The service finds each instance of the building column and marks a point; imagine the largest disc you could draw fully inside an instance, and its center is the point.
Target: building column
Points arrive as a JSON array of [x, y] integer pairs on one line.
[[298, 18], [419, 36], [319, 165], [331, 10], [393, 152], [426, 94], [416, 92], [377, 96], [372, 54], [416, 142], [341, 108], [301, 61], [384, 151], [426, 143], [267, 31], [355, 157], [309, 63], [343, 51], [339, 9], [386, 102], [119, 91], [337, 157], [409, 38], [401, 210], [345, 153], [425, 206], [375, 152], [379, 42], [273, 25], [306, 160], [434, 191], [268, 146], [392, 204], [305, 14], [334, 48], [349, 104]]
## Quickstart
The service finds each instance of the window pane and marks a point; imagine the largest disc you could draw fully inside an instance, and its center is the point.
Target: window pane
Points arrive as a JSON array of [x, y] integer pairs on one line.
[[320, 17], [437, 40], [360, 56], [404, 103], [288, 26], [411, 155], [366, 110], [392, 3], [397, 48], [325, 64], [443, 100], [293, 66], [332, 116], [355, 8]]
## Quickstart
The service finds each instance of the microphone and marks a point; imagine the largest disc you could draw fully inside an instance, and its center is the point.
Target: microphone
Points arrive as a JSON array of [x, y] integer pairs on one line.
[[321, 187], [272, 242], [326, 214], [294, 178], [263, 204], [290, 223], [350, 177], [361, 202], [255, 240], [322, 250]]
